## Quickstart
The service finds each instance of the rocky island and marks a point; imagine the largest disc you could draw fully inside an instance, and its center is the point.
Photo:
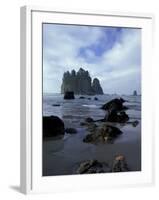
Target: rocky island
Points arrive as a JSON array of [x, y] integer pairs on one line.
[[80, 83], [135, 93]]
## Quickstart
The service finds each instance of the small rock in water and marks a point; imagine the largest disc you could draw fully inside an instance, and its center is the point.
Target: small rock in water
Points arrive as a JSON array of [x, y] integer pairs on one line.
[[119, 164], [89, 120], [71, 130], [135, 123], [89, 98], [55, 104], [81, 97], [83, 123], [95, 98], [120, 117], [69, 95]]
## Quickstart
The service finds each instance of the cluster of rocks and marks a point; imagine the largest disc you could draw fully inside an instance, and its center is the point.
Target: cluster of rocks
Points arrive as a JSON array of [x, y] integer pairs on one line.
[[97, 132], [100, 131], [101, 134], [80, 82], [53, 127], [94, 166], [116, 111]]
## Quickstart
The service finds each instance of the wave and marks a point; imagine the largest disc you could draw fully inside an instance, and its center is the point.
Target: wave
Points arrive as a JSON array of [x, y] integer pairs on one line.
[[90, 106]]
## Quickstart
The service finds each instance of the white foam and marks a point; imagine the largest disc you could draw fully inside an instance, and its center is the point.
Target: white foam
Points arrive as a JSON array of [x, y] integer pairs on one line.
[[90, 106]]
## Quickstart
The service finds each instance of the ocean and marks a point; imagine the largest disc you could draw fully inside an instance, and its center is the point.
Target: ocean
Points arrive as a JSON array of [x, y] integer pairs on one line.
[[63, 156]]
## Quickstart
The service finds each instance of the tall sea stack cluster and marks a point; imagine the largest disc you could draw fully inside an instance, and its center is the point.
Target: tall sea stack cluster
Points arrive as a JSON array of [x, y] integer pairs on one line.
[[80, 82]]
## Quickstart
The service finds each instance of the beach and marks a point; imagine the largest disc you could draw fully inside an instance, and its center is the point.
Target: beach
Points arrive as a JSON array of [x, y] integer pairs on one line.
[[63, 156]]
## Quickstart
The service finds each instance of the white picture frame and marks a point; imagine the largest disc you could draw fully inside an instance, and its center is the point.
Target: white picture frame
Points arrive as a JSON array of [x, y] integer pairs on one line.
[[31, 100]]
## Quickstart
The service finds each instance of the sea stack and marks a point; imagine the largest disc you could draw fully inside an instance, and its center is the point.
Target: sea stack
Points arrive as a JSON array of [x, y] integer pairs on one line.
[[135, 93], [97, 87], [80, 83]]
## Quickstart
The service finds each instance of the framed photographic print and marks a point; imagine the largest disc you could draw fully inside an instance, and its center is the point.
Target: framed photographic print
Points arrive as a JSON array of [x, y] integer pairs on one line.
[[86, 100]]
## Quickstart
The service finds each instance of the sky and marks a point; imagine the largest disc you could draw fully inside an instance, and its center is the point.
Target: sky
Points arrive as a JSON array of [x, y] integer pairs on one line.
[[112, 54]]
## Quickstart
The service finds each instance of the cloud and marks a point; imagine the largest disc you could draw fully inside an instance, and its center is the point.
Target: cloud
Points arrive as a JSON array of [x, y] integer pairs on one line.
[[111, 54]]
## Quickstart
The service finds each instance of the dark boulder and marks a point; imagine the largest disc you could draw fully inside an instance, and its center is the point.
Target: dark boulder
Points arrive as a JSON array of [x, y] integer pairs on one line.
[[120, 164], [114, 105], [69, 95], [95, 98], [71, 130], [120, 117], [89, 120], [53, 126]]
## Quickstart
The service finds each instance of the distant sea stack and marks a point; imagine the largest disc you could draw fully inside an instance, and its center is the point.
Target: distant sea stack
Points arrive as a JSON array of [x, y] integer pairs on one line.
[[80, 82], [135, 93]]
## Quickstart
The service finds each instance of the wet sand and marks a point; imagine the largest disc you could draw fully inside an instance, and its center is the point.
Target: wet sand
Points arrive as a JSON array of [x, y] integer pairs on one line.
[[62, 157]]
